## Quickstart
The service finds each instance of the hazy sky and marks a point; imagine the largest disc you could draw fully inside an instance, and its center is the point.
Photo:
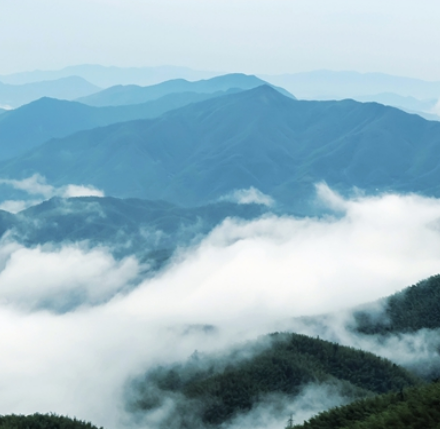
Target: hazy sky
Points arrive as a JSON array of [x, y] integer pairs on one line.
[[253, 36]]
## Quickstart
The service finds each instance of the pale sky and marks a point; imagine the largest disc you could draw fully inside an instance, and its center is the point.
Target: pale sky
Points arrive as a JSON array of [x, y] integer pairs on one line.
[[399, 37]]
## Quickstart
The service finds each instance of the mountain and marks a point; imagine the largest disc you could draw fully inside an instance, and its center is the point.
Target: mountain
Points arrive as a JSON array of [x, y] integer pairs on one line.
[[410, 409], [214, 390], [144, 226], [32, 124], [42, 421], [105, 76], [149, 230], [401, 102], [133, 94], [2, 111], [66, 88], [416, 307], [257, 138], [326, 84]]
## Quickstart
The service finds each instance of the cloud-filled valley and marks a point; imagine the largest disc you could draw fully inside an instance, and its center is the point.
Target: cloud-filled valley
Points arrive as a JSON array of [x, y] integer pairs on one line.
[[244, 279], [222, 254]]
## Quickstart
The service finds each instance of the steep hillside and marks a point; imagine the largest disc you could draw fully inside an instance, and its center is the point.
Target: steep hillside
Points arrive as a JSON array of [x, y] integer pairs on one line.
[[416, 307], [414, 408], [218, 389]]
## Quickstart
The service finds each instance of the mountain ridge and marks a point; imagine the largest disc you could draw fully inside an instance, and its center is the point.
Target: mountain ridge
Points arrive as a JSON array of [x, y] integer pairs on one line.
[[134, 94], [64, 88], [255, 138], [30, 125]]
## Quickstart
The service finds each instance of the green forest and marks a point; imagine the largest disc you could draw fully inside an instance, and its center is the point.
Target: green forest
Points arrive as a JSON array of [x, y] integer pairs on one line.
[[414, 408], [414, 308], [42, 421], [220, 390]]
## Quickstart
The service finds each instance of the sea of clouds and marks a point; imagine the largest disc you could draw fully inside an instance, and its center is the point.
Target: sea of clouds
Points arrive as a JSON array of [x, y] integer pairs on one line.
[[244, 278]]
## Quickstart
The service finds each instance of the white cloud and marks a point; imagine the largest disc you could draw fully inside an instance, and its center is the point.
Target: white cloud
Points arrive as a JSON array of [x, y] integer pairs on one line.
[[249, 196], [71, 191], [36, 185], [273, 411], [245, 277], [33, 185], [44, 275], [15, 206]]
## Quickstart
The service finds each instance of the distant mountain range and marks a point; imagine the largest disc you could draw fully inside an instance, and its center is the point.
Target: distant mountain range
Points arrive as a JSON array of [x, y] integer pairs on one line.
[[68, 88], [326, 84], [133, 94], [28, 126], [104, 76], [256, 138], [411, 95]]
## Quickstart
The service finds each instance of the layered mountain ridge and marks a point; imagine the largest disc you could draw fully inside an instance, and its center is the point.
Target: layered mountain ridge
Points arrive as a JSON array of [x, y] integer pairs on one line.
[[256, 138]]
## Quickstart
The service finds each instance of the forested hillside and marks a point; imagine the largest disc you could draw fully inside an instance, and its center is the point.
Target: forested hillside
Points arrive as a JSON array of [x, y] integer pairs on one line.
[[415, 408], [42, 421], [414, 308], [217, 389]]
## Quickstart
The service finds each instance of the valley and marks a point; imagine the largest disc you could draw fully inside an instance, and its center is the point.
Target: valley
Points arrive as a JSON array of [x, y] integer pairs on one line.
[[242, 254]]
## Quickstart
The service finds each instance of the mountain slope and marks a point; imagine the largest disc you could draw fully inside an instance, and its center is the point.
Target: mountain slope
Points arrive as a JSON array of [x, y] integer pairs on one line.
[[416, 307], [67, 88], [30, 125], [220, 388], [258, 138], [133, 94], [150, 229], [42, 421], [410, 409]]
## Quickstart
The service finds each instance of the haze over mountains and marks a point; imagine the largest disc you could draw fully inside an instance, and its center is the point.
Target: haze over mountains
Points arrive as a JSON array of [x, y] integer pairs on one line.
[[37, 122], [257, 138], [151, 237], [68, 88], [327, 84], [105, 77], [133, 94], [412, 95]]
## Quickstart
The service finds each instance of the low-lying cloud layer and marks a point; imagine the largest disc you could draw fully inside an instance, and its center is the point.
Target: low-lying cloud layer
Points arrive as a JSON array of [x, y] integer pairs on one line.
[[249, 196], [246, 278], [59, 279], [38, 189]]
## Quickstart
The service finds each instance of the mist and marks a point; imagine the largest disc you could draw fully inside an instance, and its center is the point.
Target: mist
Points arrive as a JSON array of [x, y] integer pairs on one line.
[[244, 278], [35, 189]]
